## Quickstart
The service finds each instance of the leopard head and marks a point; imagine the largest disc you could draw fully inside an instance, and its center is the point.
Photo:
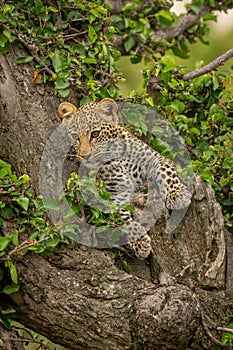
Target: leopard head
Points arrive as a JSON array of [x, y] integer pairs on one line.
[[90, 124]]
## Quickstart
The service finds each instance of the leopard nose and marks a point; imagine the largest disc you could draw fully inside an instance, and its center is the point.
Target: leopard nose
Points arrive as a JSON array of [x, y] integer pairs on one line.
[[84, 149], [83, 152]]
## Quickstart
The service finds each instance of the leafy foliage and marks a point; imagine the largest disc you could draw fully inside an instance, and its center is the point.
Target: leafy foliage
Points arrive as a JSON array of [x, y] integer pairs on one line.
[[24, 221], [96, 192], [202, 113], [26, 227], [71, 44]]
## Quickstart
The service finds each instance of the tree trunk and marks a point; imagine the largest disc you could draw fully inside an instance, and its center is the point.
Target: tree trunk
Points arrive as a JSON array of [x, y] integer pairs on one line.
[[80, 297]]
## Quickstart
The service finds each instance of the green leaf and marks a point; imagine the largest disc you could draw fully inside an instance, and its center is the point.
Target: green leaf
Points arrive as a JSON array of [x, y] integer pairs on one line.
[[224, 181], [195, 131], [89, 60], [7, 312], [115, 235], [127, 207], [81, 49], [53, 242], [5, 169], [80, 6], [3, 40], [125, 266], [180, 51], [210, 17], [128, 6], [11, 288], [52, 9], [227, 202], [3, 164], [23, 179], [215, 83], [150, 101], [177, 106], [164, 17], [7, 8], [89, 73], [15, 237], [129, 43], [101, 229], [196, 8], [13, 271], [51, 204], [6, 317], [136, 59], [6, 321], [169, 62], [102, 10], [4, 241], [92, 34], [24, 59], [23, 202], [95, 13], [8, 35], [71, 211], [57, 62], [64, 92], [62, 84], [6, 213]]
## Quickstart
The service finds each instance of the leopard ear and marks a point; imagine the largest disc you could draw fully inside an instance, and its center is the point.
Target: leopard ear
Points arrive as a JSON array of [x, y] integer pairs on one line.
[[66, 110], [107, 110]]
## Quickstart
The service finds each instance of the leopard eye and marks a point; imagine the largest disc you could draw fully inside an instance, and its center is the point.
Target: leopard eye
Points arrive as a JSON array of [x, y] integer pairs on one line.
[[95, 134], [75, 136]]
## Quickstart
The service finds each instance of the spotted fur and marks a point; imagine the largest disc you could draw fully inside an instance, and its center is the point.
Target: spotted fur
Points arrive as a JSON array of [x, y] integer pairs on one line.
[[125, 162]]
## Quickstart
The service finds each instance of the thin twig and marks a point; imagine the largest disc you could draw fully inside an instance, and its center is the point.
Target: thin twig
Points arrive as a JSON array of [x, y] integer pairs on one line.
[[23, 246], [193, 153], [70, 36], [209, 67], [214, 162], [31, 49], [9, 185], [224, 329]]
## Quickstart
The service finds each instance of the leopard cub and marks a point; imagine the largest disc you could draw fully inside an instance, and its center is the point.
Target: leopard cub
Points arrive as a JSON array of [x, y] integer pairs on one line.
[[125, 163]]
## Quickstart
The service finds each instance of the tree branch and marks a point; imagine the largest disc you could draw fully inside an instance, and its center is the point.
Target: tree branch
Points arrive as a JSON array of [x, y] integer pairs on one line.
[[183, 23], [153, 83], [224, 329], [209, 67]]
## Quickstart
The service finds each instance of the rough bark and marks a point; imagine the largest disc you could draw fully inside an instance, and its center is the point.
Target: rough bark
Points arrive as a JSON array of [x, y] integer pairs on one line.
[[28, 115], [80, 297]]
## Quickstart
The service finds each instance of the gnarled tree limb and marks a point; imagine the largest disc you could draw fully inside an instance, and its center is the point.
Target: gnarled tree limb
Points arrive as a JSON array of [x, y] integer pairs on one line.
[[210, 66], [183, 23]]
